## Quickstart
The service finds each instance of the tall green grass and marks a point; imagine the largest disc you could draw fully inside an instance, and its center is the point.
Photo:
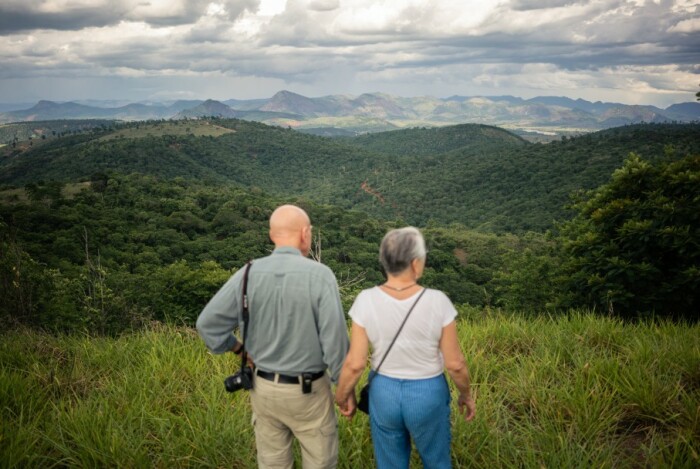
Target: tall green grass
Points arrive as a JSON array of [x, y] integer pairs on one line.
[[571, 391]]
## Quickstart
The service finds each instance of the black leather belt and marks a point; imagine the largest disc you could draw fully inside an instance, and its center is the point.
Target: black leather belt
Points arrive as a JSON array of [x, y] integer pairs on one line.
[[286, 379]]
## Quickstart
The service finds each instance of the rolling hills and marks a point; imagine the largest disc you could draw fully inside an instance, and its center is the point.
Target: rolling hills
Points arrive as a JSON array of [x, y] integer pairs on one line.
[[479, 176]]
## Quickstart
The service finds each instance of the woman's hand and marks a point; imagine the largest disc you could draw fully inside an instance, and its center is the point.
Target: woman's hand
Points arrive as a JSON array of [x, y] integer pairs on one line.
[[466, 406], [354, 365], [347, 407]]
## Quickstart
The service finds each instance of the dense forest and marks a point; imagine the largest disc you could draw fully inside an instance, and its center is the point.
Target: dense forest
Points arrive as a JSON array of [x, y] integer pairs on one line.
[[93, 223], [482, 177], [99, 254]]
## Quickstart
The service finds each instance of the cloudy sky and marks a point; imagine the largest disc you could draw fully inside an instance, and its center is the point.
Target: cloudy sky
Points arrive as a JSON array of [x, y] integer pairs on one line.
[[630, 51]]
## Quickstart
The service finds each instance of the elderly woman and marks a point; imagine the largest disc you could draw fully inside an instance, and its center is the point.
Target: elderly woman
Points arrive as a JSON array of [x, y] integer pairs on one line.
[[409, 396]]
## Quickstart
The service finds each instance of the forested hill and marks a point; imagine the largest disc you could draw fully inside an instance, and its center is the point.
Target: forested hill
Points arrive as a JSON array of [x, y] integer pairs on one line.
[[436, 140], [479, 176]]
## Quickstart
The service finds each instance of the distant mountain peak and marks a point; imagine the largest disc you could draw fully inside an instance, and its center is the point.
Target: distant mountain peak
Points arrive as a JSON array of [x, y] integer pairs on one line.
[[210, 107], [287, 94], [286, 101], [45, 104]]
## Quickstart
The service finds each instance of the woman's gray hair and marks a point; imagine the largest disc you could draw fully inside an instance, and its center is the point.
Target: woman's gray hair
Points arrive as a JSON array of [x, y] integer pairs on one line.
[[399, 247]]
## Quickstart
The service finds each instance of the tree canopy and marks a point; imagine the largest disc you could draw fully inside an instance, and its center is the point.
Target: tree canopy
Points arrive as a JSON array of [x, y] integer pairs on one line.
[[634, 245]]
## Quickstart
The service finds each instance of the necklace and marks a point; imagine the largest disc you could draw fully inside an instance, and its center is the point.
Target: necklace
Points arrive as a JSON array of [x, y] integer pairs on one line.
[[399, 288]]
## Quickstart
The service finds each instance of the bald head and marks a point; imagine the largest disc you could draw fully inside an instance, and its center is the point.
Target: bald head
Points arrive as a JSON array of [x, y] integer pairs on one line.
[[290, 226]]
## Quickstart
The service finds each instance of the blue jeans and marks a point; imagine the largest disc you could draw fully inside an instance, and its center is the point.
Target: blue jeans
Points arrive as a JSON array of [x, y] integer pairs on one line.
[[401, 409]]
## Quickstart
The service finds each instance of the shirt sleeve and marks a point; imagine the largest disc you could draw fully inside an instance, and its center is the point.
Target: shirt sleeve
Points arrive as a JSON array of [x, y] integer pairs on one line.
[[220, 316], [357, 312], [449, 313], [332, 328]]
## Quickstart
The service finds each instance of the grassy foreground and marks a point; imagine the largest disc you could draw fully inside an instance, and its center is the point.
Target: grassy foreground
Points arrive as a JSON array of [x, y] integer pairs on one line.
[[575, 391]]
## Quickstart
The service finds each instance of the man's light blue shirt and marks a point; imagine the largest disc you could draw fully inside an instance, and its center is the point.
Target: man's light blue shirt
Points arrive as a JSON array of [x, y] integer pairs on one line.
[[296, 318]]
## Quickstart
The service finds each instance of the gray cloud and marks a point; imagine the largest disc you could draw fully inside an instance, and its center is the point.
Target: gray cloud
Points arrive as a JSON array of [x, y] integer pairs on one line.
[[324, 5], [523, 5], [440, 46], [21, 17], [25, 15]]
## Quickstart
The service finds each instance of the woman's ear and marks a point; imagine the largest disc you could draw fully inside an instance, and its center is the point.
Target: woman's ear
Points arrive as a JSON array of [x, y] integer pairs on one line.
[[417, 265]]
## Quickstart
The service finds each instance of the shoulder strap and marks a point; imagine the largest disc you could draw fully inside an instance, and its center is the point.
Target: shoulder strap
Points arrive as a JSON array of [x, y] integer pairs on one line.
[[398, 332], [246, 315]]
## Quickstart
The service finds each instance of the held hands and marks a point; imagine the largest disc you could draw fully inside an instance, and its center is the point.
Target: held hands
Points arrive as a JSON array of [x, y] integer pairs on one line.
[[466, 406], [347, 406]]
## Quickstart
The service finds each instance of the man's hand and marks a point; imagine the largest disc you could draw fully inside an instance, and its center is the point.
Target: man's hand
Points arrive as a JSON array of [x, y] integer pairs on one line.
[[466, 406], [238, 349]]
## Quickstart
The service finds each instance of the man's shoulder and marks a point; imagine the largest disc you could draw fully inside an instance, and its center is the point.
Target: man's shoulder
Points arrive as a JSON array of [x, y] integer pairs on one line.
[[299, 264], [316, 268]]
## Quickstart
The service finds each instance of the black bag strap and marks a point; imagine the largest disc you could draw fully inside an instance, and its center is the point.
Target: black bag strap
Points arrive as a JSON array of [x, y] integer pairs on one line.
[[397, 335], [246, 315]]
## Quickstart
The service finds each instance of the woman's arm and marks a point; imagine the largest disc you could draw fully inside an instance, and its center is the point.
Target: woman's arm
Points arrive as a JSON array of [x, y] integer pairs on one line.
[[352, 369], [456, 366]]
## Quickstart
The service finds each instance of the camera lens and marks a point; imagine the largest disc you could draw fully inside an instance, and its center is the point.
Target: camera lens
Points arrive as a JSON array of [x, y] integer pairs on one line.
[[233, 383]]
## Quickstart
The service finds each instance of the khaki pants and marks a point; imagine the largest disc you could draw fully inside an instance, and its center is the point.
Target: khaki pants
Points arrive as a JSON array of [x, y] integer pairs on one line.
[[282, 411]]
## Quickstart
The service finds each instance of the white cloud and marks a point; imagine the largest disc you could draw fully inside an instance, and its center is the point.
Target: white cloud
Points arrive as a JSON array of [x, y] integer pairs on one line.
[[688, 26], [271, 7]]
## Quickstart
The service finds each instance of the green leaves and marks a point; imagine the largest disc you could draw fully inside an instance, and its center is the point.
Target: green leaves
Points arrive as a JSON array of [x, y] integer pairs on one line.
[[634, 246]]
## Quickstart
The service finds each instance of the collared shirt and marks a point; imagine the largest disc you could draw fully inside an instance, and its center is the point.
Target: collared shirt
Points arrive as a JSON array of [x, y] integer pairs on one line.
[[296, 318]]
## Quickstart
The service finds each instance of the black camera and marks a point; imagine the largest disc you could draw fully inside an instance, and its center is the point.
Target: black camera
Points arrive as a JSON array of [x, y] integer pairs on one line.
[[243, 379]]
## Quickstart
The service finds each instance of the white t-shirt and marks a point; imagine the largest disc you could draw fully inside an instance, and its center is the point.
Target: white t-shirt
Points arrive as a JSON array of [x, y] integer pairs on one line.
[[416, 353]]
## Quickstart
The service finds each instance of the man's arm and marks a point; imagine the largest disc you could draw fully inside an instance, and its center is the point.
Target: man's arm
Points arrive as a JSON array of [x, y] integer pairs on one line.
[[332, 328], [354, 366], [219, 317]]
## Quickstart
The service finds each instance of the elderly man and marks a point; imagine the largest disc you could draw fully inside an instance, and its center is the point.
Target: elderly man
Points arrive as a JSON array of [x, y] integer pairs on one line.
[[296, 330]]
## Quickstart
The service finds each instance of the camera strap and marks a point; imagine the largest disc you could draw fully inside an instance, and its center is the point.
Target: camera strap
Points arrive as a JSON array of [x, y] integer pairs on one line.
[[246, 315]]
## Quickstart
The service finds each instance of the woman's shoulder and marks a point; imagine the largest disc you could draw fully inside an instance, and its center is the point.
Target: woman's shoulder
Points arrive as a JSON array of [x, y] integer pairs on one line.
[[369, 291], [366, 295], [440, 301], [436, 294]]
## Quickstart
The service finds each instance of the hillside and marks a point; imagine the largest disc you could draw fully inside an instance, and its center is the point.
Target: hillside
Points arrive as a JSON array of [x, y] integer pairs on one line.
[[480, 176], [433, 141], [50, 110], [48, 129]]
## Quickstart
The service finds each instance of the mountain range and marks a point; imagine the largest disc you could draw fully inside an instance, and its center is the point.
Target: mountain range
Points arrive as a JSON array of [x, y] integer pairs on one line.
[[375, 112]]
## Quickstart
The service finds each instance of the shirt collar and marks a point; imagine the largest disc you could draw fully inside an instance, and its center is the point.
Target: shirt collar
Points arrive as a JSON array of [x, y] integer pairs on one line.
[[287, 250]]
